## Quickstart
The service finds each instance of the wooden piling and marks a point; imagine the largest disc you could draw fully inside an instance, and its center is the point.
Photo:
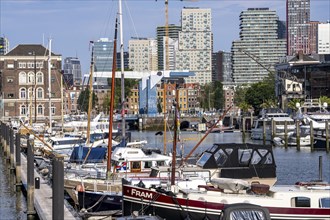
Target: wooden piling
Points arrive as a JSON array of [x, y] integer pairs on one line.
[[12, 150], [264, 131], [243, 129], [58, 188], [285, 133], [18, 162], [273, 128], [312, 134], [320, 169], [327, 136], [30, 181], [298, 134]]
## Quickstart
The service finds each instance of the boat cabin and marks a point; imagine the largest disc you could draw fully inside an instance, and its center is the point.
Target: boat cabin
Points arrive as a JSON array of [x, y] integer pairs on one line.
[[239, 161], [135, 160]]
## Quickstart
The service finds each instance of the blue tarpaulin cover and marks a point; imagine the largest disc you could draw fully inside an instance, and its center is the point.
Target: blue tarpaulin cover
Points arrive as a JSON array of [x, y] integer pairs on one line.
[[97, 154]]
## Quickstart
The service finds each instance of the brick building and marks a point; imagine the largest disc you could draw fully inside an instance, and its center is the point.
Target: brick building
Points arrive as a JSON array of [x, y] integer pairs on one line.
[[25, 84]]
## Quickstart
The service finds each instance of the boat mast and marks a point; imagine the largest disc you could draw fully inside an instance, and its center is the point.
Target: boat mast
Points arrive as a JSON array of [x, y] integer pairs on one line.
[[176, 109], [50, 85], [112, 102], [123, 124], [90, 100]]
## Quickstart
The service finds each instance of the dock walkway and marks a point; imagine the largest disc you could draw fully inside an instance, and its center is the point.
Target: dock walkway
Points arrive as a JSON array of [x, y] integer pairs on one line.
[[43, 197]]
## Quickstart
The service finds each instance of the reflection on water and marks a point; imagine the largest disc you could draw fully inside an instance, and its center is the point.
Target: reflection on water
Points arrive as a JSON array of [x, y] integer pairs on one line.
[[12, 203], [292, 165]]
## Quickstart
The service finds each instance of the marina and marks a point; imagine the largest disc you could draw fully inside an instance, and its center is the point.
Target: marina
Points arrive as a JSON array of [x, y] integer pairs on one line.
[[304, 165]]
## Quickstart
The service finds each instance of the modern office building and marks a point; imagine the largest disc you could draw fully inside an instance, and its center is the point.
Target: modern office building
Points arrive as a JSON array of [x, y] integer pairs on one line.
[[173, 34], [324, 38], [126, 61], [103, 58], [254, 55], [312, 36], [195, 44], [4, 45], [297, 18], [72, 71], [143, 54], [281, 29], [222, 67]]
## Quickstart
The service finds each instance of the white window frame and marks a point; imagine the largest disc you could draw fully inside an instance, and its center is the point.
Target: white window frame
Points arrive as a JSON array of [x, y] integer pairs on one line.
[[31, 78], [40, 78], [40, 110], [22, 78], [22, 93], [40, 93]]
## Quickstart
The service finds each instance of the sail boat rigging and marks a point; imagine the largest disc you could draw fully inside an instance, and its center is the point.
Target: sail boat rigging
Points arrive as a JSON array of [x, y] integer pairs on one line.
[[112, 102]]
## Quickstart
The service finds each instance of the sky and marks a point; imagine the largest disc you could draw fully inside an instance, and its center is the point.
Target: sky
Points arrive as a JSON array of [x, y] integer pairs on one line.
[[72, 24]]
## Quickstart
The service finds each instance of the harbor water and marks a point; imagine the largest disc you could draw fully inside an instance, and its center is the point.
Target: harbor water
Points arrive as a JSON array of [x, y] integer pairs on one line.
[[292, 165]]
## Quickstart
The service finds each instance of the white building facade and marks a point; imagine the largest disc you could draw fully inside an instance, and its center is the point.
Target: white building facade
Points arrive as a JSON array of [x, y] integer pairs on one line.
[[324, 38]]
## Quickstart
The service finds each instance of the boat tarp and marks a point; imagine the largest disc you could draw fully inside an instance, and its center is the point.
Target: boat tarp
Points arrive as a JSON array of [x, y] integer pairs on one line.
[[96, 155]]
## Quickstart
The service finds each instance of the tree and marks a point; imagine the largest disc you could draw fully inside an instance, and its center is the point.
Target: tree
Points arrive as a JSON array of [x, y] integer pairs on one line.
[[218, 95], [83, 100], [293, 102], [259, 93], [325, 99]]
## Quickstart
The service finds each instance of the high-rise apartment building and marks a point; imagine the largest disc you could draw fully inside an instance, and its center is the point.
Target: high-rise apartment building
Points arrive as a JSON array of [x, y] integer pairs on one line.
[[103, 58], [297, 18], [195, 44], [312, 36], [72, 71], [4, 45], [143, 54], [259, 48], [324, 38], [173, 34], [222, 67]]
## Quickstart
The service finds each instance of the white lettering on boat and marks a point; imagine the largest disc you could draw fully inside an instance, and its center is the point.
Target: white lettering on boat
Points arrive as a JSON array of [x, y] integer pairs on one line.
[[138, 193]]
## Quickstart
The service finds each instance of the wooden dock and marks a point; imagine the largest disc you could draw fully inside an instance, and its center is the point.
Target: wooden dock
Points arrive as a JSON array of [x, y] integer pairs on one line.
[[43, 197]]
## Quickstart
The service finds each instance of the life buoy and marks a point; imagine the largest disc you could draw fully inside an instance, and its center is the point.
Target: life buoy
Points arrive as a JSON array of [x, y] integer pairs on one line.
[[80, 188]]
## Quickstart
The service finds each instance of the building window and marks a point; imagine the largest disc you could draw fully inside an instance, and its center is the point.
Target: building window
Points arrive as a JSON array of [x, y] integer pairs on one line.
[[22, 78], [31, 78], [40, 110], [30, 93], [53, 110], [40, 78], [22, 93], [23, 110], [40, 93], [10, 95], [10, 80]]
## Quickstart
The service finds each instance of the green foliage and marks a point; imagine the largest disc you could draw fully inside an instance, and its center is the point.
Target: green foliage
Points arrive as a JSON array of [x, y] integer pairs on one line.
[[292, 103], [83, 100], [325, 99], [128, 86], [259, 93], [239, 96], [245, 107], [219, 98], [211, 96]]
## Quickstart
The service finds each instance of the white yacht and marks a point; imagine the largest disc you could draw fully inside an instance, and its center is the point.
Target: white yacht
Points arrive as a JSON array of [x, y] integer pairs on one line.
[[279, 118]]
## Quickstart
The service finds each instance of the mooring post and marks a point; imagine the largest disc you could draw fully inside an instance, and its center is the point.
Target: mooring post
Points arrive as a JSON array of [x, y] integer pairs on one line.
[[327, 136], [264, 131], [12, 150], [1, 137], [298, 135], [285, 133], [18, 162], [58, 188], [243, 129], [273, 129], [312, 134], [30, 180], [320, 168], [7, 144]]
